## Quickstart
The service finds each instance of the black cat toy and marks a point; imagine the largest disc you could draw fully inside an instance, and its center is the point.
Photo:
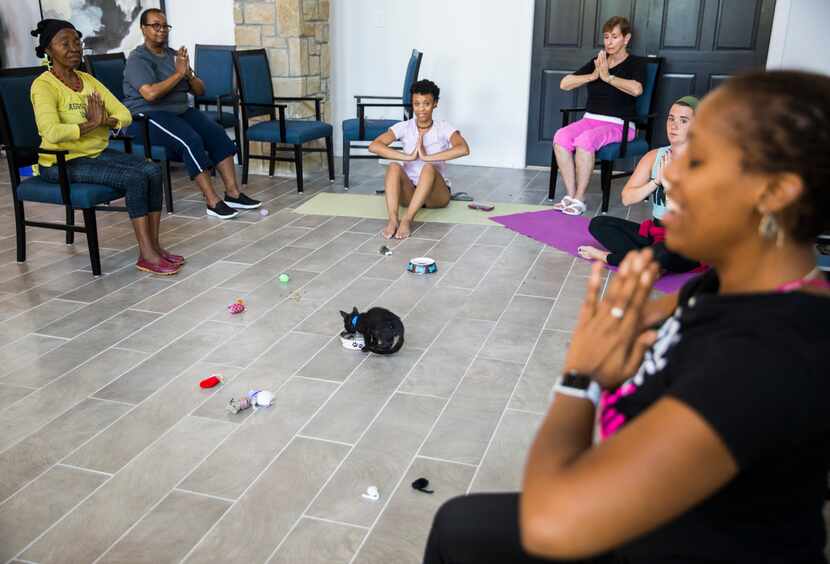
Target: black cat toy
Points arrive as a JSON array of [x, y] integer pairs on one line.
[[382, 330]]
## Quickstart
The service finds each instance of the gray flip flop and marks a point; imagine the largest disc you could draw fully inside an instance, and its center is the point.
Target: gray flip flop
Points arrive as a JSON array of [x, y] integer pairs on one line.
[[461, 197]]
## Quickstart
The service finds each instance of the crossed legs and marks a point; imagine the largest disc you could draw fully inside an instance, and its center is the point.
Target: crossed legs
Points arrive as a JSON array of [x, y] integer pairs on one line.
[[431, 192]]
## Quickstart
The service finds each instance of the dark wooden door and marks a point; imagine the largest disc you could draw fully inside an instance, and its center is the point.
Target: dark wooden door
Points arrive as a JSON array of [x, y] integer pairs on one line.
[[702, 42]]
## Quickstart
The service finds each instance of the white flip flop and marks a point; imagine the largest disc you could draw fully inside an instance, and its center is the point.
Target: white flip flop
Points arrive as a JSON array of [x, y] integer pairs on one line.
[[563, 203], [575, 207]]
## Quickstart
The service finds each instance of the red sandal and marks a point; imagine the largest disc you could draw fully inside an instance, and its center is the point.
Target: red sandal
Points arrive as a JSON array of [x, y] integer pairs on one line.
[[163, 268]]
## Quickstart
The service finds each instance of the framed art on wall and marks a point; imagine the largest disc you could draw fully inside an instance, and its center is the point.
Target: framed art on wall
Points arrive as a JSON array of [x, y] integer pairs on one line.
[[108, 25]]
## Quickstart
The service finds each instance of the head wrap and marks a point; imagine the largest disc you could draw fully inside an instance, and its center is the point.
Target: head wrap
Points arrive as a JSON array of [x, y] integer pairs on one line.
[[46, 30]]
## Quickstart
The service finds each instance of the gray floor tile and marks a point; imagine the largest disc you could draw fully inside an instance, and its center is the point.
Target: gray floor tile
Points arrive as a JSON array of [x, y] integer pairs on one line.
[[12, 394], [401, 533], [267, 269], [235, 464], [112, 449], [137, 384], [379, 459], [102, 518], [498, 471], [515, 335], [175, 295], [329, 254], [465, 428], [319, 542], [47, 446], [362, 293], [446, 361], [350, 411], [256, 524], [566, 311], [26, 416], [469, 269], [35, 319], [533, 393], [24, 351], [497, 235], [108, 306], [168, 532], [255, 339], [547, 275], [40, 504], [267, 245], [333, 362], [456, 242], [72, 353], [268, 372]]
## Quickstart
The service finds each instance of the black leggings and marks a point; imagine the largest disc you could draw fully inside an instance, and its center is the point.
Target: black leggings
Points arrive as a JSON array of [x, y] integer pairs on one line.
[[483, 529], [621, 236]]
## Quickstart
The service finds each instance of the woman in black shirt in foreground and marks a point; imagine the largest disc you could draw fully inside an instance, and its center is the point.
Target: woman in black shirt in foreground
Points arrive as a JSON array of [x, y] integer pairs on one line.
[[722, 455]]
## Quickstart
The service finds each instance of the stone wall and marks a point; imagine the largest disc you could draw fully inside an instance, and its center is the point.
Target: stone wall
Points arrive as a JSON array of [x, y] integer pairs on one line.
[[296, 35]]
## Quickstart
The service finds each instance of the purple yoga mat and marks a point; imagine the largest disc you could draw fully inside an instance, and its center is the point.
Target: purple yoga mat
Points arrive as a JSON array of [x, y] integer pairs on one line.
[[568, 233]]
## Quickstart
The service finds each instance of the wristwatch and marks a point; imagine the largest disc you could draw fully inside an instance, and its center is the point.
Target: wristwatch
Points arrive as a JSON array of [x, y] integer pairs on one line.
[[578, 385]]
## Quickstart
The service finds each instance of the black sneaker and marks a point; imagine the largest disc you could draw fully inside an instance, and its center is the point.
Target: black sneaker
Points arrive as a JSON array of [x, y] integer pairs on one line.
[[222, 211], [243, 202]]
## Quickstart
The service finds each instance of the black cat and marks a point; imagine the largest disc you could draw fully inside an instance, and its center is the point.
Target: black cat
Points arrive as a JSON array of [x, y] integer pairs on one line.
[[382, 330]]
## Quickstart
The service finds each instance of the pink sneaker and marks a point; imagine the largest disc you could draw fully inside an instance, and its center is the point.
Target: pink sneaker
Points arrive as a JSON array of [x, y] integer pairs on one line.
[[163, 268]]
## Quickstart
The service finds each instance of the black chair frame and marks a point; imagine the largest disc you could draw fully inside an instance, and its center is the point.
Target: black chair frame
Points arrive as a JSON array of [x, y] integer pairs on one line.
[[19, 157], [275, 109], [145, 129], [607, 174]]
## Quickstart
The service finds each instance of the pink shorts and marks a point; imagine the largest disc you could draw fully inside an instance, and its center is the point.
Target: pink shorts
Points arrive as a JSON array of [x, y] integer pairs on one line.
[[591, 135]]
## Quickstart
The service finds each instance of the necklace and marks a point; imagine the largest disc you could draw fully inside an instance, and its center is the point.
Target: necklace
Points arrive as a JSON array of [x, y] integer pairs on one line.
[[424, 126], [812, 278], [74, 87]]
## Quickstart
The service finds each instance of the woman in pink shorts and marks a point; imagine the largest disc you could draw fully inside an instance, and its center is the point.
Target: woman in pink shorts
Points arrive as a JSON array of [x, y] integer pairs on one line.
[[419, 180], [614, 80]]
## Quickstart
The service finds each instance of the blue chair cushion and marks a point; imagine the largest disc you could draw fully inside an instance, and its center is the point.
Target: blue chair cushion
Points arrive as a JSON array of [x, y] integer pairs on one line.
[[83, 195], [297, 131], [374, 127], [611, 152], [228, 119], [157, 152]]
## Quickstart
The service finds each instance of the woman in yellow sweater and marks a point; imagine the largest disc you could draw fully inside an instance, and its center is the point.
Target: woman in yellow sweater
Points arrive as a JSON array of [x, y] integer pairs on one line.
[[74, 113]]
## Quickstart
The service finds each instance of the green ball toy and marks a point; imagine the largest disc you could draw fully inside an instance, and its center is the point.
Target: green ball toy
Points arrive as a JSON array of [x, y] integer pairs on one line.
[[284, 278]]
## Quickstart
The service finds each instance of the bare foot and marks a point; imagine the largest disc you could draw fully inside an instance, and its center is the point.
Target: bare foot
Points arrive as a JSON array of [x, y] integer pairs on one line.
[[404, 229], [592, 253], [390, 229]]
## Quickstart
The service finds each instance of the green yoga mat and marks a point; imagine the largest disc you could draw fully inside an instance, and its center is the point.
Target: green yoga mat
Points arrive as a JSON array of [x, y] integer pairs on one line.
[[374, 207]]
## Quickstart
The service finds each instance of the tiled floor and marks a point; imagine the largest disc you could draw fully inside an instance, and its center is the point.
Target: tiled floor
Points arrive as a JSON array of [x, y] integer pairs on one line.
[[110, 452]]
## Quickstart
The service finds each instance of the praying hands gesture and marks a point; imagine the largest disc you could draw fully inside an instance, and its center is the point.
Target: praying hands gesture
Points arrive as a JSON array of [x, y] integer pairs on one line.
[[609, 342], [661, 166], [601, 67], [417, 152]]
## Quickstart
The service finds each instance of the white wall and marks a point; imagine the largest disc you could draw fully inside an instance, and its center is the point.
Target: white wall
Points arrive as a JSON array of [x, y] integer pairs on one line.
[[799, 33], [200, 21], [477, 51]]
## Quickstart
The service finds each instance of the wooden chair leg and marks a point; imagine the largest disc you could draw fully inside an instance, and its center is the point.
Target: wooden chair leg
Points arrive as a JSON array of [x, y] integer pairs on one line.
[[298, 161], [20, 228], [347, 150], [330, 157], [606, 168], [245, 157], [91, 230], [554, 172], [272, 164], [70, 220], [168, 185]]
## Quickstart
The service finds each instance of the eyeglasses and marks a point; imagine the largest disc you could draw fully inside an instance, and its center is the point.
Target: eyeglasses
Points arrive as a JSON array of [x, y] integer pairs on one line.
[[159, 27]]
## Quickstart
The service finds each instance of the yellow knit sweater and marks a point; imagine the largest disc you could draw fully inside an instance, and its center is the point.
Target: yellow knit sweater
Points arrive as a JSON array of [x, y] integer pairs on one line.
[[59, 111]]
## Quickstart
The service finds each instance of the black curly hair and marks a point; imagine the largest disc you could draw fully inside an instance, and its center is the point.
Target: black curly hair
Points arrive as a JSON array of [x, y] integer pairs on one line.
[[781, 121], [149, 11], [424, 87]]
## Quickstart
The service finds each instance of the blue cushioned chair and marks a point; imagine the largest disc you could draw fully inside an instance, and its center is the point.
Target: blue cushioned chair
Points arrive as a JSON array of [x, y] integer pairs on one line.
[[214, 65], [109, 70], [22, 145], [362, 129], [257, 99], [639, 146]]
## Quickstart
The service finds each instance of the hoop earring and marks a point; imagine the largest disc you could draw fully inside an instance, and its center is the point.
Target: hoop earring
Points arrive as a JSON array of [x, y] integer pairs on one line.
[[769, 230]]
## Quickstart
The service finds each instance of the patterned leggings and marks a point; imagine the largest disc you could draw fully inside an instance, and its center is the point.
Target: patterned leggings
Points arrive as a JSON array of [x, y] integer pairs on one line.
[[140, 181]]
